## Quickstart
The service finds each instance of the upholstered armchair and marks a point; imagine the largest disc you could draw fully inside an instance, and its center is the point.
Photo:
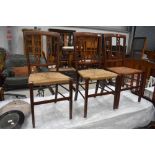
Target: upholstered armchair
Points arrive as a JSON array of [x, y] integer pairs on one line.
[[15, 72]]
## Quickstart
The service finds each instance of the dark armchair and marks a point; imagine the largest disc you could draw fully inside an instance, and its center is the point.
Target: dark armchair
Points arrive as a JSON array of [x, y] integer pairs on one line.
[[15, 72]]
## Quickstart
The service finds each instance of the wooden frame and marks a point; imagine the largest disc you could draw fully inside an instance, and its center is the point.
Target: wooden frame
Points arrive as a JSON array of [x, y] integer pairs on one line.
[[66, 47], [46, 78], [115, 63], [92, 43], [114, 55]]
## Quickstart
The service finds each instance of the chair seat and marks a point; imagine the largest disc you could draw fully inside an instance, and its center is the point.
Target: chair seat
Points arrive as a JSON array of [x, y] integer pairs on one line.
[[96, 74], [48, 78], [124, 70]]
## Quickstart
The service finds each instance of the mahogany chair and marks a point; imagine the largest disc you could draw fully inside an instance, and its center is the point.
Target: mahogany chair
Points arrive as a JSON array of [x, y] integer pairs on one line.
[[42, 78], [114, 49], [88, 61]]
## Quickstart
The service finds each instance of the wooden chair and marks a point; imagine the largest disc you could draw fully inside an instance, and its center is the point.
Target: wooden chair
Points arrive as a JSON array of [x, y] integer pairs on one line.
[[114, 53], [88, 61], [114, 47], [42, 78]]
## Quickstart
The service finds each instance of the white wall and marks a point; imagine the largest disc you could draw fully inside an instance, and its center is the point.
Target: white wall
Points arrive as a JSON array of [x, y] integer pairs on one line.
[[3, 37], [17, 41]]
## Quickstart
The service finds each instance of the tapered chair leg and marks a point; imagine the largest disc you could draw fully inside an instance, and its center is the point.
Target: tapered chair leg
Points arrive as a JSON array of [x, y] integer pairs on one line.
[[51, 90], [32, 104], [56, 92], [77, 88], [71, 99], [97, 86], [33, 117], [142, 86], [86, 97], [117, 92]]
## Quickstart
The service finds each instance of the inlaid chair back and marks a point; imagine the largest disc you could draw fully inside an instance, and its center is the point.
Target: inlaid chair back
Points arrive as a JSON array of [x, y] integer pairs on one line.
[[34, 44], [114, 48], [87, 50]]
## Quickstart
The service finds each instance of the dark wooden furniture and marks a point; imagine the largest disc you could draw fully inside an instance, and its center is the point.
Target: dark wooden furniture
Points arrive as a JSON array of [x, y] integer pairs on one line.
[[114, 58], [131, 79], [138, 47], [66, 47], [2, 64], [1, 94], [46, 78], [146, 66], [141, 64], [114, 48], [66, 36], [150, 55], [88, 62], [2, 79]]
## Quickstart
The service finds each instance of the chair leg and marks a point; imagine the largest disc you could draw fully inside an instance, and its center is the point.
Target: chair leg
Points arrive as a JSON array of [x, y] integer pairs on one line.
[[77, 88], [71, 98], [56, 92], [97, 86], [51, 90], [86, 97], [32, 104], [117, 91], [33, 117], [142, 86], [153, 97]]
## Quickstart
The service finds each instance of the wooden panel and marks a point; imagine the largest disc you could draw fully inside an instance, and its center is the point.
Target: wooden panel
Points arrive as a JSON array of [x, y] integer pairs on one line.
[[87, 50], [140, 64], [66, 40], [114, 47], [33, 45]]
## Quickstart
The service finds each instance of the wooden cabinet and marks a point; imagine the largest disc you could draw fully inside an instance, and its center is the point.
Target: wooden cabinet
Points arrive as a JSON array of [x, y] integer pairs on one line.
[[142, 64], [66, 47], [150, 55], [148, 67]]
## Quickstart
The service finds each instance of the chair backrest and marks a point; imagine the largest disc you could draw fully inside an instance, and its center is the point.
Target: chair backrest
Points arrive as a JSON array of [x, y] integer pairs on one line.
[[34, 44], [66, 43], [138, 47], [2, 59], [114, 48], [87, 50]]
